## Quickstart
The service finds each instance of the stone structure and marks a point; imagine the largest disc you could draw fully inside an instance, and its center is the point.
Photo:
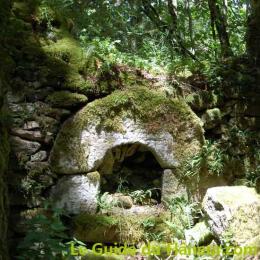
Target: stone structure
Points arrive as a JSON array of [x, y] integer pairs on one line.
[[233, 213]]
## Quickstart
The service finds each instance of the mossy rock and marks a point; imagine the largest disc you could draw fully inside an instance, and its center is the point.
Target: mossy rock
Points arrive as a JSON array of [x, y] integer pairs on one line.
[[211, 118], [120, 228], [203, 100], [134, 112], [66, 99]]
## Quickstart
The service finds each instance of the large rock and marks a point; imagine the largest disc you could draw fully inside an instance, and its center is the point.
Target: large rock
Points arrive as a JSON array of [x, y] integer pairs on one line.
[[233, 212], [77, 193], [167, 128], [172, 186]]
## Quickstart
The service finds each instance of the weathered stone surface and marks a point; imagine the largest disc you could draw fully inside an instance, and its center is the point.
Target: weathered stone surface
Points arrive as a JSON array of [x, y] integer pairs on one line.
[[39, 157], [14, 97], [211, 118], [120, 200], [49, 138], [202, 100], [30, 135], [127, 117], [233, 211], [200, 234], [76, 194], [24, 146], [171, 186], [31, 125]]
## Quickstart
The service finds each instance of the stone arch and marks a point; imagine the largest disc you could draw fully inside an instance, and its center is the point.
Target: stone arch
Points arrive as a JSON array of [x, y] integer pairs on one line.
[[131, 167], [168, 128]]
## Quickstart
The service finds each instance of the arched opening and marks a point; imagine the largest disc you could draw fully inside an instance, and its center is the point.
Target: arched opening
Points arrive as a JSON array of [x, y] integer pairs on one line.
[[133, 170]]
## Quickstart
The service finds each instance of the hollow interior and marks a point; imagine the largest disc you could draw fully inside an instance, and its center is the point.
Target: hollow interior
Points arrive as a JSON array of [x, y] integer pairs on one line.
[[138, 174]]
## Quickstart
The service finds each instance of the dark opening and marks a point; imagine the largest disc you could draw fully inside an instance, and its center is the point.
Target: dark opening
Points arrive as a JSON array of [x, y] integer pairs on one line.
[[139, 172]]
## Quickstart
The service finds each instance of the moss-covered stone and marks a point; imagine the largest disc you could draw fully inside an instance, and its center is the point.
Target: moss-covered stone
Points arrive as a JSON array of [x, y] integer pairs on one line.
[[66, 99], [120, 228], [149, 110], [211, 118], [94, 177], [231, 217], [202, 100]]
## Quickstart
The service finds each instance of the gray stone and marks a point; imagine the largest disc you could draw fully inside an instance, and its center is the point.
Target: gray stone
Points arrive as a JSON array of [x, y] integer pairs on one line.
[[76, 194], [120, 200], [91, 134], [49, 138], [200, 234], [35, 135], [171, 186], [233, 212], [14, 97], [39, 157], [31, 125], [24, 146], [96, 145]]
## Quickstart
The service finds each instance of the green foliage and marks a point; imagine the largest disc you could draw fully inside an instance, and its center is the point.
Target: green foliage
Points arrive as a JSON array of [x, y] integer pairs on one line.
[[211, 159], [105, 204], [121, 32], [142, 197], [182, 215], [45, 236]]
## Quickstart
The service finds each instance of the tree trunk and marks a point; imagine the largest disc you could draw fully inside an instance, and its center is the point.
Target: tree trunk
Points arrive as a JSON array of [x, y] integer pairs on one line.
[[219, 21], [253, 32]]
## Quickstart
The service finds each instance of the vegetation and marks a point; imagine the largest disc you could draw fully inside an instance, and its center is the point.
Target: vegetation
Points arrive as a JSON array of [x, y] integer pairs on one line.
[[45, 237], [186, 68]]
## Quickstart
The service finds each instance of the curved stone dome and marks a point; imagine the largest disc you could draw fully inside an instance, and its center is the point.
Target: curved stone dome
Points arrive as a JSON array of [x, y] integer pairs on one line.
[[166, 127]]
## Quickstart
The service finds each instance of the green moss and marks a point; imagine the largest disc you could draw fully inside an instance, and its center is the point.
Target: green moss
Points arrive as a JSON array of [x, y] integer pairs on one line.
[[119, 228], [94, 177], [65, 48], [153, 111], [137, 103], [66, 99], [202, 100], [211, 118], [23, 9]]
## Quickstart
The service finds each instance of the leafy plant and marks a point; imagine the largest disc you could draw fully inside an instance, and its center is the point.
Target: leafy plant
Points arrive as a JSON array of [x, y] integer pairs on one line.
[[105, 204], [141, 196], [45, 236], [210, 158], [182, 215], [148, 223]]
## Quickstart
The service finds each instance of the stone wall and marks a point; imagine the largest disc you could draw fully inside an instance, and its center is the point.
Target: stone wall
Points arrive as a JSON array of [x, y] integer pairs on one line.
[[52, 81]]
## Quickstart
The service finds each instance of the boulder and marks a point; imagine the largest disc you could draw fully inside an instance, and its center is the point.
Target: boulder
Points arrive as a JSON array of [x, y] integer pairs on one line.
[[166, 127], [76, 193], [233, 213]]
